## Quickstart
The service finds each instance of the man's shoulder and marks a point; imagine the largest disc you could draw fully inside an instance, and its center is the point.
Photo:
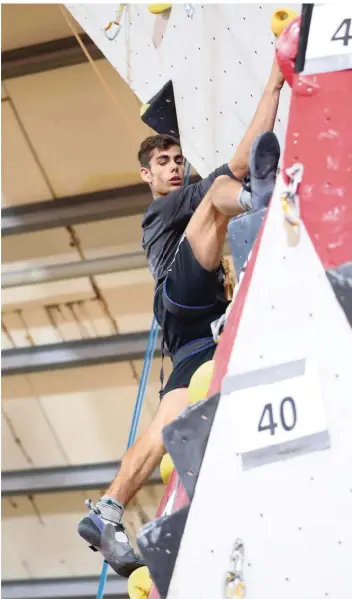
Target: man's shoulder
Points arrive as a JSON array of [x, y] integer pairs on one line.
[[173, 197], [162, 205]]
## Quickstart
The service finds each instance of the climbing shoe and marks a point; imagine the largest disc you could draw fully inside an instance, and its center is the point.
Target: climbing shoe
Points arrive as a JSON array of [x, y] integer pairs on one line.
[[111, 540], [263, 162]]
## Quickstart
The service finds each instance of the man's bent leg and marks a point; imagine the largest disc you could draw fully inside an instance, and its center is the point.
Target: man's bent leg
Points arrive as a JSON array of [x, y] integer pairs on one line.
[[226, 198], [207, 228], [102, 528]]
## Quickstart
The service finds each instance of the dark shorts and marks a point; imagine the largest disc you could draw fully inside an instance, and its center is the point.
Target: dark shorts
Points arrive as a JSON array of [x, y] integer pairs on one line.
[[182, 374], [189, 285]]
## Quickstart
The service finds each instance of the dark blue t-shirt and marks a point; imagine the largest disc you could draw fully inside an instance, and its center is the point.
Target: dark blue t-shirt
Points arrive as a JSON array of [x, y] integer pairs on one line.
[[166, 219]]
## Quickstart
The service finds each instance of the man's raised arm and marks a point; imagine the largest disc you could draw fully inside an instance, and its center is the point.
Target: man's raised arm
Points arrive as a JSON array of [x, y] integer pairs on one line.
[[263, 120]]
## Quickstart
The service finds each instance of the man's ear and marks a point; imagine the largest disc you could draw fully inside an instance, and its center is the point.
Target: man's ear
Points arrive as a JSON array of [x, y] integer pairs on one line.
[[146, 175]]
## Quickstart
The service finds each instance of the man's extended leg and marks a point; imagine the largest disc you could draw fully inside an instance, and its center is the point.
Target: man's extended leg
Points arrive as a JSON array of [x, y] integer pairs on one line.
[[102, 528], [143, 457]]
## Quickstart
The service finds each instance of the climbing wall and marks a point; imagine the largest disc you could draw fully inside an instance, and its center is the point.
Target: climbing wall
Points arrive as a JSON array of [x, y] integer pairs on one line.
[[218, 60]]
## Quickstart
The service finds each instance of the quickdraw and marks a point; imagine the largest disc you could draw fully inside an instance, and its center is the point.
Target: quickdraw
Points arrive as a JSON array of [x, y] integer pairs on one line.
[[289, 198], [234, 585], [115, 31]]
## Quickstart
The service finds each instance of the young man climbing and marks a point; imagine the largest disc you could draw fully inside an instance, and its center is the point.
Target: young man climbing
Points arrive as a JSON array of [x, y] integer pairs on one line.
[[184, 230]]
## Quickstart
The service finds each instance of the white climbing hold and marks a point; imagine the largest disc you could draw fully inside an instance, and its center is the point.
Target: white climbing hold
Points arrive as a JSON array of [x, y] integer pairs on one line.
[[189, 10]]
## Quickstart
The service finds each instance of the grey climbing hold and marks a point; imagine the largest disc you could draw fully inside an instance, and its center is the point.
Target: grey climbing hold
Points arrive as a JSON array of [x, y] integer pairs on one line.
[[242, 232], [341, 282], [186, 439], [159, 542]]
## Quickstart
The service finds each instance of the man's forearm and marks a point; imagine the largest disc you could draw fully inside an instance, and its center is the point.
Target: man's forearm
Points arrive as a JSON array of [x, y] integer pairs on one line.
[[263, 120]]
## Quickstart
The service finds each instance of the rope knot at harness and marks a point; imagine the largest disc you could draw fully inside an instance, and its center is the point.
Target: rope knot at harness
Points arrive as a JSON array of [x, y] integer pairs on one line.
[[229, 280]]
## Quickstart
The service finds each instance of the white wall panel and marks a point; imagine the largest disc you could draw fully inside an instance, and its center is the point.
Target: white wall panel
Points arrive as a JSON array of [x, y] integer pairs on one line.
[[218, 61], [293, 513]]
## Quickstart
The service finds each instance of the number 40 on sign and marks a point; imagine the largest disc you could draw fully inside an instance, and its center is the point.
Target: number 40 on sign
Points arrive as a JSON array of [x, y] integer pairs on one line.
[[280, 418]]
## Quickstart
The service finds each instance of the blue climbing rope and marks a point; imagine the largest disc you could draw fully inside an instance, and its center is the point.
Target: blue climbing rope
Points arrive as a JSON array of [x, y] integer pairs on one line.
[[148, 358]]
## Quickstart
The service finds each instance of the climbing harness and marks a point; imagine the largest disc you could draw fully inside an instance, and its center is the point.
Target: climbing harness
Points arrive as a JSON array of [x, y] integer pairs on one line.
[[193, 347], [234, 584], [148, 358], [188, 312]]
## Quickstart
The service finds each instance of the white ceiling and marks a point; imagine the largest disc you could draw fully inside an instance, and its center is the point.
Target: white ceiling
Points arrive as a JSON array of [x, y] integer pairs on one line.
[[27, 24]]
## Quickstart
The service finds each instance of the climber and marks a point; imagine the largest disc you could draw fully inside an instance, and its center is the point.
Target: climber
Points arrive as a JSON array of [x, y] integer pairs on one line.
[[184, 229]]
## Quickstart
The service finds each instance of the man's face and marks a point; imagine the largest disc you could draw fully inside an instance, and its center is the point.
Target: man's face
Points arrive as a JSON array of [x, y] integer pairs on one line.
[[166, 171]]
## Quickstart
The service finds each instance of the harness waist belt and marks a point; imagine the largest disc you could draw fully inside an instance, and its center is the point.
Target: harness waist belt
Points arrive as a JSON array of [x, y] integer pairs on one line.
[[184, 311], [192, 348]]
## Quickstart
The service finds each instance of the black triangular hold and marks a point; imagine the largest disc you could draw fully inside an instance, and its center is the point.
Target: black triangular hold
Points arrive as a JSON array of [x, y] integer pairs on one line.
[[159, 542], [161, 114], [341, 282], [186, 439]]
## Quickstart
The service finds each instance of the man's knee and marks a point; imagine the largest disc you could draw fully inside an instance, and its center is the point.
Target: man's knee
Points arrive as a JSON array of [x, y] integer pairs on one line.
[[220, 182]]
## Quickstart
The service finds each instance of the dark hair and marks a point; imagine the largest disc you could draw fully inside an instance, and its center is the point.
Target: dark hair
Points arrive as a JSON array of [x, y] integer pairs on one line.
[[161, 142]]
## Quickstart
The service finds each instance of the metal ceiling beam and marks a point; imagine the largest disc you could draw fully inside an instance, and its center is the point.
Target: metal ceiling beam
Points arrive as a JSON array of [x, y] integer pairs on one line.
[[64, 588], [77, 209], [73, 270], [81, 268], [63, 478], [46, 56], [73, 354], [74, 210]]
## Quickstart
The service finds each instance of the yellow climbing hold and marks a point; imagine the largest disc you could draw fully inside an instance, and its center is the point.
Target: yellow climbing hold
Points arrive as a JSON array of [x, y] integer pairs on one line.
[[200, 382], [166, 468], [143, 109], [280, 19], [156, 9], [139, 583]]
